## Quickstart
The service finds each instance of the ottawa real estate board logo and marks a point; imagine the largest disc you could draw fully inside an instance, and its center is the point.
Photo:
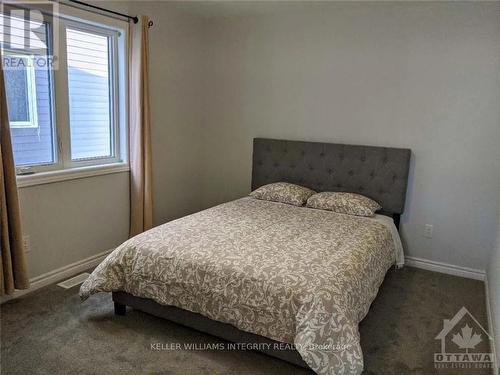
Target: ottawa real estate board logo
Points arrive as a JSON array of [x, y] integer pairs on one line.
[[465, 344]]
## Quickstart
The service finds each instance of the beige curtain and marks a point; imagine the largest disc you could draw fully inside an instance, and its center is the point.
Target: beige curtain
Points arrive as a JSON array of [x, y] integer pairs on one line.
[[141, 197], [13, 264]]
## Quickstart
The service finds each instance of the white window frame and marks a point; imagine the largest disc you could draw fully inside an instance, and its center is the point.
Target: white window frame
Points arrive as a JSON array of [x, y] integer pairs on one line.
[[115, 156], [64, 168], [30, 90]]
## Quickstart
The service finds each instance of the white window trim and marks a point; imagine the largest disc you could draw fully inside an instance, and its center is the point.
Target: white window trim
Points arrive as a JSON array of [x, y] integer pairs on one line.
[[65, 168], [114, 80], [50, 177], [30, 90]]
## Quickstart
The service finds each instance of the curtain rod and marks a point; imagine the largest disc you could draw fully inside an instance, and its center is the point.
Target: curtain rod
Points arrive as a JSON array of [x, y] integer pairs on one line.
[[133, 18]]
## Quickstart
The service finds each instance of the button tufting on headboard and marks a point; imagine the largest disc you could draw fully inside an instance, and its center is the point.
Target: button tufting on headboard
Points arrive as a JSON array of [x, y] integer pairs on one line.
[[380, 173]]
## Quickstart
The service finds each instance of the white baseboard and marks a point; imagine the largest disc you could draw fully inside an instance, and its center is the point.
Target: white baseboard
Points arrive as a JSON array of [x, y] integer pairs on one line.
[[449, 269], [491, 329], [59, 274]]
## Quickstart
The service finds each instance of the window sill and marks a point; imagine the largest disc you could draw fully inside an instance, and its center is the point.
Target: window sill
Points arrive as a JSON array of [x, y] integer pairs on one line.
[[42, 178]]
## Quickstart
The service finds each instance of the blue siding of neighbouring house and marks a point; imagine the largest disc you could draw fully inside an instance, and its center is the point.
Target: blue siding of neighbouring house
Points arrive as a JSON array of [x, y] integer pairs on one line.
[[34, 145], [31, 145]]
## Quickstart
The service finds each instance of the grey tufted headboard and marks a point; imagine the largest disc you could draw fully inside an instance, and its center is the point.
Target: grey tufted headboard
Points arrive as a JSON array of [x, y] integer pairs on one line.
[[380, 173]]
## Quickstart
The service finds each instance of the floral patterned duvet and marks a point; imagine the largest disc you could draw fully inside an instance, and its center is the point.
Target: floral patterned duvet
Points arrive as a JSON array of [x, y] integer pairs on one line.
[[293, 274]]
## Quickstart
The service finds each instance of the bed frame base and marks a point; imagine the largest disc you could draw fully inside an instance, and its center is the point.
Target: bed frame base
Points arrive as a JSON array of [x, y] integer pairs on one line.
[[201, 323], [120, 309]]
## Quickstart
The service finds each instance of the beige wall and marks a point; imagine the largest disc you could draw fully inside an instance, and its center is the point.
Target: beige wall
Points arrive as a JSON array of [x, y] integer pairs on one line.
[[73, 220], [424, 76], [418, 75]]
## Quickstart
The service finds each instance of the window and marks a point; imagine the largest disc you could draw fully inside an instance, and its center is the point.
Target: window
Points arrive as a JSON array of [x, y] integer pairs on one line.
[[72, 115], [90, 95], [21, 89]]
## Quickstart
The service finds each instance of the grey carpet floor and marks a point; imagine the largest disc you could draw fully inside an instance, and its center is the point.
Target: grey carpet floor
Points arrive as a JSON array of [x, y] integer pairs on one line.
[[51, 332]]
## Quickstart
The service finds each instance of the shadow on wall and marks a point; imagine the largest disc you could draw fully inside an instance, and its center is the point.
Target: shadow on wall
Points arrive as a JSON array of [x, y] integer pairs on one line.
[[409, 199]]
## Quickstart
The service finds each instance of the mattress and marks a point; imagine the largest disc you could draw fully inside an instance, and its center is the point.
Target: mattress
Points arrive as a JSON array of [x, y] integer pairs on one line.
[[293, 274]]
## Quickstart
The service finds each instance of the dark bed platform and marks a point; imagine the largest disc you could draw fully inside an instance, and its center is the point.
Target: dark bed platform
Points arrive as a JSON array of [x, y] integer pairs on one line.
[[377, 172], [203, 324]]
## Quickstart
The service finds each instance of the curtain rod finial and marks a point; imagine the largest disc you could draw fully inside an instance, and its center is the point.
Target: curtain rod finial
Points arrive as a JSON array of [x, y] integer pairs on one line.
[[135, 19]]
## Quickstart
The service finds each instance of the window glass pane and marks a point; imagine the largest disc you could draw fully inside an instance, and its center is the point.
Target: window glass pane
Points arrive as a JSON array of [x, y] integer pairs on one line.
[[89, 94], [29, 90], [16, 84]]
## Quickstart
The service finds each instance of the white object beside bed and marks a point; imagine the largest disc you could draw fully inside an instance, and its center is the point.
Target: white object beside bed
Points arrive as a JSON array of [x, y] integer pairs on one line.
[[398, 245]]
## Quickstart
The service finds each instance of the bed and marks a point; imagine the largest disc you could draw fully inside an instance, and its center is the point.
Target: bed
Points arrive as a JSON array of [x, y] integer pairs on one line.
[[295, 281]]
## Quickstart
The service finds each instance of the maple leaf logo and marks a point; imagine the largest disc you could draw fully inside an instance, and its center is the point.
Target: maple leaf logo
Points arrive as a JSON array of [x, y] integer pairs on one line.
[[467, 340]]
